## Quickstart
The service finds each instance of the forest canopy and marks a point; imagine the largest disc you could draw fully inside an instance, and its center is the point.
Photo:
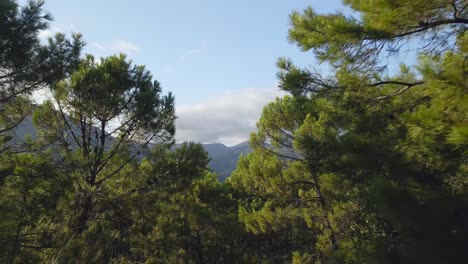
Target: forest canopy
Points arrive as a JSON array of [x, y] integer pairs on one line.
[[367, 164]]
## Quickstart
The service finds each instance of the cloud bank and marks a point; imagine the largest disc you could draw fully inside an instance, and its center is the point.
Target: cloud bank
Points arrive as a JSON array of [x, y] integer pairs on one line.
[[227, 119]]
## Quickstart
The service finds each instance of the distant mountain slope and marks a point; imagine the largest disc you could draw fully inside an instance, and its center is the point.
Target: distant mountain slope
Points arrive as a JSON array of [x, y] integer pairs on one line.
[[224, 159]]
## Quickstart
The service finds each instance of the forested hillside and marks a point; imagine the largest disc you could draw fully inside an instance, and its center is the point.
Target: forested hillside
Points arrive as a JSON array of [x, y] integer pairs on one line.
[[365, 164]]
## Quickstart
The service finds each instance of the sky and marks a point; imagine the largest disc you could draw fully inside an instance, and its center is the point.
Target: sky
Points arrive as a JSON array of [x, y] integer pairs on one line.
[[216, 56]]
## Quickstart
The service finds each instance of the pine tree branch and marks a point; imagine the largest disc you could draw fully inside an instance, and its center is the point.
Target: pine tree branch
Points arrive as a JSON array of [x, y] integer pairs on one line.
[[397, 83]]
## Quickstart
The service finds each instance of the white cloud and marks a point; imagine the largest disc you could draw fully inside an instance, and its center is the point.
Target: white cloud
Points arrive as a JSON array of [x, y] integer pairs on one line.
[[227, 119], [39, 96], [98, 46], [100, 49], [44, 35], [124, 46], [97, 60]]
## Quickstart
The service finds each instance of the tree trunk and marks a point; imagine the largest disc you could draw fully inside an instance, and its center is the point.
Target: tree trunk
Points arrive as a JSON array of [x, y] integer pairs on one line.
[[86, 208]]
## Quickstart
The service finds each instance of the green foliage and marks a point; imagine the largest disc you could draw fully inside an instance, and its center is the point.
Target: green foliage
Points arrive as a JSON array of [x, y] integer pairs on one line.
[[365, 166], [30, 196], [191, 217], [377, 26], [26, 63], [361, 166]]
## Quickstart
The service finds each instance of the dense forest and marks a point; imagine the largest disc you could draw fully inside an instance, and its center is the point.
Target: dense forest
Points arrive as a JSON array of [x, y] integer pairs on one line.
[[366, 164]]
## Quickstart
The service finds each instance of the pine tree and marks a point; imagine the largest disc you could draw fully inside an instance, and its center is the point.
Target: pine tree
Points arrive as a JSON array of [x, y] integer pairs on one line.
[[100, 122], [25, 63], [384, 151]]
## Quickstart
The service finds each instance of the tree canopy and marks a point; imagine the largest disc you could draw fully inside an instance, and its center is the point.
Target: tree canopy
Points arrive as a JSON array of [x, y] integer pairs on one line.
[[366, 164], [369, 163]]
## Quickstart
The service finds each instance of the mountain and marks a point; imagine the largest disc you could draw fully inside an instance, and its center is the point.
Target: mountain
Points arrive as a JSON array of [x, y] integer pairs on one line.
[[224, 159]]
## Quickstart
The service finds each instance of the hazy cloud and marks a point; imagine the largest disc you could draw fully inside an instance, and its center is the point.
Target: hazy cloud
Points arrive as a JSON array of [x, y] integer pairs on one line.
[[116, 46], [98, 46], [44, 35], [189, 55], [227, 119], [124, 46]]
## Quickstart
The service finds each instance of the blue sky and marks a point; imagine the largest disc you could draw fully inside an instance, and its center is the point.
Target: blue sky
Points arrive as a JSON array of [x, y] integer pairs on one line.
[[205, 52]]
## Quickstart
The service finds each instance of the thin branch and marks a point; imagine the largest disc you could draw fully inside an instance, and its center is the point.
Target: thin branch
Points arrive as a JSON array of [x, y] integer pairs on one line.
[[67, 124], [397, 83], [125, 163], [280, 155], [14, 125]]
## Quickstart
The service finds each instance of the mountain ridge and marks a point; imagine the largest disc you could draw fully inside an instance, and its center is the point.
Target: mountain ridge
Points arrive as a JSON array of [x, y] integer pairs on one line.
[[223, 159]]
